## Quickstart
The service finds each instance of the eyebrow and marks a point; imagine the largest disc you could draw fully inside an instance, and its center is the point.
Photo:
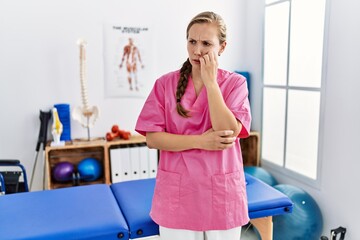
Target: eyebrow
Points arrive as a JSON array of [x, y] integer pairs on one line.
[[192, 39]]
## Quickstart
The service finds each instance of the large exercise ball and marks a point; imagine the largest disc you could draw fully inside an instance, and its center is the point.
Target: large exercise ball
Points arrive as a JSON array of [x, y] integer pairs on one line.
[[261, 174], [90, 169], [63, 171], [305, 222]]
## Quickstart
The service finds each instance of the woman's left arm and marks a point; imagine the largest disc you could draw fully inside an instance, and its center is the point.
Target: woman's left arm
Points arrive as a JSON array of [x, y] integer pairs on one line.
[[221, 116]]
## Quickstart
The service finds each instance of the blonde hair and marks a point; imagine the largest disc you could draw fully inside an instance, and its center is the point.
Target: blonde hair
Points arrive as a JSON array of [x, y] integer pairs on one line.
[[204, 17]]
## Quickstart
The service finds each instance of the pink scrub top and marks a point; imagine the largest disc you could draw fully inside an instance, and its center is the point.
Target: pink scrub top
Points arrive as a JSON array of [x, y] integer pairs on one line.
[[197, 189]]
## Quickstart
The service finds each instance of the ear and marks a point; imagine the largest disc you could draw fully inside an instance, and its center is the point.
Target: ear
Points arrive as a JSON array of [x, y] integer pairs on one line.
[[222, 48]]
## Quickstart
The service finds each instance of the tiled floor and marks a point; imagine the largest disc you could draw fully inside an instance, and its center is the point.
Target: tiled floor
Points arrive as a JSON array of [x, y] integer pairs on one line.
[[248, 234]]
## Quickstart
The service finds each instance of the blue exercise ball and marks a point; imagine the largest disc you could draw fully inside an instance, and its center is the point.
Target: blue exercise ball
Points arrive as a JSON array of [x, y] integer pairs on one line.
[[62, 171], [261, 174], [90, 169], [305, 222]]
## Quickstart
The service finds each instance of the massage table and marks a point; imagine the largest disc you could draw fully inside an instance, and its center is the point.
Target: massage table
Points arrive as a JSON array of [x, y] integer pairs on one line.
[[116, 211]]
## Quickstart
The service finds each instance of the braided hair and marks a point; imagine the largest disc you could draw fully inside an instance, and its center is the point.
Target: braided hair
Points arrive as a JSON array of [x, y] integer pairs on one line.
[[185, 71], [182, 83]]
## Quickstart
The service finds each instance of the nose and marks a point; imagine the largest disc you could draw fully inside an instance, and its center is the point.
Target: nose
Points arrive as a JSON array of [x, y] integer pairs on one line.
[[197, 50]]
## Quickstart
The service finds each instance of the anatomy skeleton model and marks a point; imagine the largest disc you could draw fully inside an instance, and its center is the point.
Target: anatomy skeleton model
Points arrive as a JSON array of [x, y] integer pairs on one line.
[[85, 115]]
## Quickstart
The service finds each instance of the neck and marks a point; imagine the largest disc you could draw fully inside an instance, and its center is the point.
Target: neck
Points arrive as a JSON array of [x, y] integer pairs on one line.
[[196, 75]]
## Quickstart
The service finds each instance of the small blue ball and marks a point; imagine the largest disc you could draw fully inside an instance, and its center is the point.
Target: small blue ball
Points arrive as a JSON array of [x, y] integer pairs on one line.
[[90, 169]]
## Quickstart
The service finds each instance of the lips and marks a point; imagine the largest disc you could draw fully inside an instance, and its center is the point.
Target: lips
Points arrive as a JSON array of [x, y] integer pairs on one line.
[[196, 61]]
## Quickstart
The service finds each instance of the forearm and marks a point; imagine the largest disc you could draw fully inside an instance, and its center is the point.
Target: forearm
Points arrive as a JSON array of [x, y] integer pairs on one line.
[[221, 116], [172, 142]]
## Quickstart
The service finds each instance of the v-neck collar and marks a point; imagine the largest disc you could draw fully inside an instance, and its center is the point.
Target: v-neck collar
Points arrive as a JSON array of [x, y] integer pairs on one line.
[[192, 100], [192, 85], [195, 102]]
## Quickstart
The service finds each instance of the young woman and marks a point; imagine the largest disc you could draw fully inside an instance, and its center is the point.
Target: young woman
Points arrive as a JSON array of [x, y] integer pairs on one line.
[[195, 116]]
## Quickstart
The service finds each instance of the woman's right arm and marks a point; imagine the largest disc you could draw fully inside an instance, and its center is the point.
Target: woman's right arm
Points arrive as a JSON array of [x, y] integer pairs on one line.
[[210, 140]]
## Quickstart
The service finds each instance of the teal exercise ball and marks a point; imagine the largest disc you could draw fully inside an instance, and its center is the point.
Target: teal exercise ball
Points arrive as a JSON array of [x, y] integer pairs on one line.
[[305, 221], [90, 169], [261, 174]]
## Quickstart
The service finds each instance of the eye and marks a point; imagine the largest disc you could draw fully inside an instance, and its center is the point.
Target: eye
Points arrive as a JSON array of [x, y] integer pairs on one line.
[[207, 44], [191, 41]]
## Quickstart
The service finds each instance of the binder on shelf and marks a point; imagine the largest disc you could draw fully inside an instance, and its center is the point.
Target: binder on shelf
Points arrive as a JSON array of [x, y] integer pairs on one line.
[[153, 162], [144, 162], [135, 163]]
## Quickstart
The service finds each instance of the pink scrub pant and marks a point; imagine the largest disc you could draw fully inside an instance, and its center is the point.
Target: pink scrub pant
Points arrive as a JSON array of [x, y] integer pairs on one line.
[[180, 234]]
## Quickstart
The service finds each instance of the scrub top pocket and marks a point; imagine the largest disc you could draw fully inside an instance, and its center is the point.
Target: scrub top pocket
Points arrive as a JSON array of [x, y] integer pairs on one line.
[[227, 197], [167, 192]]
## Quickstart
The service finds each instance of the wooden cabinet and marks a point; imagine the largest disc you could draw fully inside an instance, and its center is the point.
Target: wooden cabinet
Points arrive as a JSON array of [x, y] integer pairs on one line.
[[250, 148], [75, 152]]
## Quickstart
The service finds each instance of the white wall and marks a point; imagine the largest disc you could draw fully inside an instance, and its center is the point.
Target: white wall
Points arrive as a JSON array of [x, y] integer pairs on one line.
[[39, 60], [338, 195]]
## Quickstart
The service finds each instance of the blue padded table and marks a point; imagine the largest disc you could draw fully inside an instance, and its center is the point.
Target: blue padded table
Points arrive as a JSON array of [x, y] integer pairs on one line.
[[264, 202], [119, 211], [84, 212], [134, 198]]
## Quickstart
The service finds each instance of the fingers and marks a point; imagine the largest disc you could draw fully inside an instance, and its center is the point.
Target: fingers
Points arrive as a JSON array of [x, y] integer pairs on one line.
[[226, 139], [209, 68], [225, 144], [225, 133], [218, 140], [208, 58], [213, 57]]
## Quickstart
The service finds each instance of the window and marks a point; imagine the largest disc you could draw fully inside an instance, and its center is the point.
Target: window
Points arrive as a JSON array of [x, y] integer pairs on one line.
[[292, 72]]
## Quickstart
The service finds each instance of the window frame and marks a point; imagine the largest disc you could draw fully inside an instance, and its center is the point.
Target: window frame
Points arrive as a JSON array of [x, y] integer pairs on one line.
[[281, 169]]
